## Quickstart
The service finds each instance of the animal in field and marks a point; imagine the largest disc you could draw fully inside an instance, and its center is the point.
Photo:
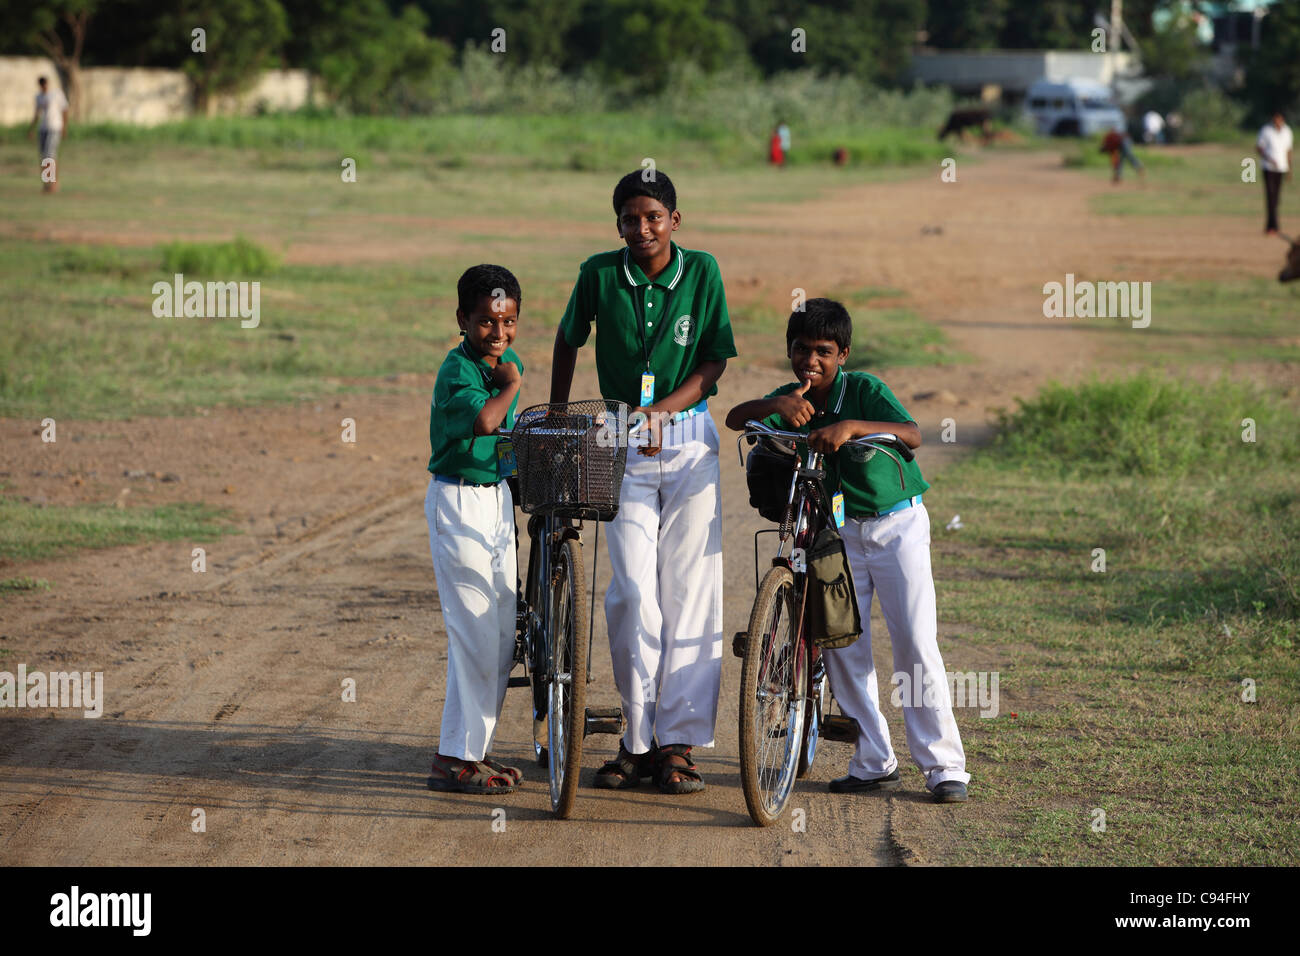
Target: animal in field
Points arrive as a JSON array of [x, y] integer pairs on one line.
[[960, 120], [1292, 268]]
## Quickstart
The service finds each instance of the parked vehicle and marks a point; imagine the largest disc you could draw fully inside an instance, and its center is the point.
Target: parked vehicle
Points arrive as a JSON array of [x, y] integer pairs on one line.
[[1072, 107]]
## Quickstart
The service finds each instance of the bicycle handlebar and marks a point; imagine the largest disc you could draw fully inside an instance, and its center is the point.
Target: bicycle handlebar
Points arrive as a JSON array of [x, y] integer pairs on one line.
[[756, 429]]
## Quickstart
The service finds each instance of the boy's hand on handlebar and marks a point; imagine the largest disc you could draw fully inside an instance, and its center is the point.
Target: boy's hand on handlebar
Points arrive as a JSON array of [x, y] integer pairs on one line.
[[829, 439], [794, 408]]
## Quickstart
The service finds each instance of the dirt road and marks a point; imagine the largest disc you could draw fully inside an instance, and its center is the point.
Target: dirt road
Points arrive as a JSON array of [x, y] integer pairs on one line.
[[223, 689]]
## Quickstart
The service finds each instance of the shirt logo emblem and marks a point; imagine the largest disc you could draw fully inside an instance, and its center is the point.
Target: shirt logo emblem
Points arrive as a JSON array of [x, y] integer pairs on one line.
[[684, 330]]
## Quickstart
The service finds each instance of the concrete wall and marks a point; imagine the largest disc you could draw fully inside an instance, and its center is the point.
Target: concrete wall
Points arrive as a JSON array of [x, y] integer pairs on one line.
[[1014, 70], [140, 95]]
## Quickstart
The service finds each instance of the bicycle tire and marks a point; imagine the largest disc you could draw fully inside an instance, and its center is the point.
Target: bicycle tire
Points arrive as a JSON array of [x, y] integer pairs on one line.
[[771, 704], [566, 698]]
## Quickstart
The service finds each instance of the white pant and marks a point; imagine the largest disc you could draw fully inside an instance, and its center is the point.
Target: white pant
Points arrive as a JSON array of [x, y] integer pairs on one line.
[[890, 557], [664, 603], [471, 538]]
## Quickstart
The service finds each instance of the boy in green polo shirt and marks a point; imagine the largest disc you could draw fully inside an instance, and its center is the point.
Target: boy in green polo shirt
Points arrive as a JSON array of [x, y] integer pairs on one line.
[[663, 338], [471, 521], [887, 535]]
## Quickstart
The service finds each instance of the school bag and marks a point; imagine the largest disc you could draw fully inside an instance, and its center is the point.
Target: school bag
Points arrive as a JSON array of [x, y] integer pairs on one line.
[[832, 612]]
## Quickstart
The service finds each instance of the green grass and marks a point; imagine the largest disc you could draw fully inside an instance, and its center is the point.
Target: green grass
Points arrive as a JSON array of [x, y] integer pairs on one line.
[[1225, 320], [30, 532], [608, 142], [1204, 181], [220, 260], [1127, 683], [24, 584]]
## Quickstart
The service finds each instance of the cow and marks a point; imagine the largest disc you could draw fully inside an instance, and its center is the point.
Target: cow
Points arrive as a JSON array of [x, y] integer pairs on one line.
[[958, 120], [1292, 268]]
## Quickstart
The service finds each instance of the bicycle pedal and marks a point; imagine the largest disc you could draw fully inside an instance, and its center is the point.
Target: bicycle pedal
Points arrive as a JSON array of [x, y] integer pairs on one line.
[[523, 680], [603, 720], [739, 642], [841, 729]]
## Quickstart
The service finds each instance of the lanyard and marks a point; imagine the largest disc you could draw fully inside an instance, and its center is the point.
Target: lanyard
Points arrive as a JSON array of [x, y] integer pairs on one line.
[[478, 364], [639, 307]]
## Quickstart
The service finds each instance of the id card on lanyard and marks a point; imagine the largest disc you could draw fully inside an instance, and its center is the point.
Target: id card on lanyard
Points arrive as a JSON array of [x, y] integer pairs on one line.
[[648, 376]]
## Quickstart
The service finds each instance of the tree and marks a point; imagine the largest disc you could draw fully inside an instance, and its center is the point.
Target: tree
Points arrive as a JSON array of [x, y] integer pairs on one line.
[[639, 40], [57, 29], [368, 59], [240, 38], [1273, 70]]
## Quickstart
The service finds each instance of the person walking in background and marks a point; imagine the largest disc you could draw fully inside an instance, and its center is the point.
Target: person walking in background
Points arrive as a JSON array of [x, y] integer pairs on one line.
[[1120, 148], [50, 122], [1153, 127], [1274, 147], [783, 132], [775, 153]]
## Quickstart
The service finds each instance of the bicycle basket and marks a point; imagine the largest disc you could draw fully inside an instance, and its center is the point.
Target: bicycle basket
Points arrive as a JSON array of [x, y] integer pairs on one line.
[[768, 469], [571, 458]]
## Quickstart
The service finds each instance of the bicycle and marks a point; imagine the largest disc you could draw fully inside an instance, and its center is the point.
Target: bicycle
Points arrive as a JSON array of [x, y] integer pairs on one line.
[[570, 459], [783, 686]]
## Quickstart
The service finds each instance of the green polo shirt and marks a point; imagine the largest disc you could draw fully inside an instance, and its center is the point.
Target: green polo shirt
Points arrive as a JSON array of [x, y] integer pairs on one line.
[[868, 478], [464, 384], [680, 318]]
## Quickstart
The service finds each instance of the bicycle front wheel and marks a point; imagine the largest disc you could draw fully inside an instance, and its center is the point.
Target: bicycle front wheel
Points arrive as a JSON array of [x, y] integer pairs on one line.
[[566, 677], [771, 699]]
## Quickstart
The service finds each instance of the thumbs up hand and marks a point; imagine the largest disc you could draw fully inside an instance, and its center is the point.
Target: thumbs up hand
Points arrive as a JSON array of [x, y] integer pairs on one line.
[[794, 408]]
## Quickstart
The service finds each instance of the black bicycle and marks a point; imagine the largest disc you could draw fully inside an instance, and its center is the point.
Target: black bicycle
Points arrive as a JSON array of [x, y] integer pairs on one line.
[[783, 686], [570, 460]]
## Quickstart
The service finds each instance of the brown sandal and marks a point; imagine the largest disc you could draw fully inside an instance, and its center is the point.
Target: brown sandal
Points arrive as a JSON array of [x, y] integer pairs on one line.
[[689, 779], [514, 773], [451, 775], [627, 770]]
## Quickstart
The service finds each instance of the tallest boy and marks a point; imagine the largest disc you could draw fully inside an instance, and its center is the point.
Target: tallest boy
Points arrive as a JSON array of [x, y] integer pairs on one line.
[[662, 341]]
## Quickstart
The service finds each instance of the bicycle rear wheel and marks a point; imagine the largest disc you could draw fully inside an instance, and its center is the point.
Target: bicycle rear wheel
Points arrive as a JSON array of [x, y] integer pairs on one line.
[[771, 700], [566, 677]]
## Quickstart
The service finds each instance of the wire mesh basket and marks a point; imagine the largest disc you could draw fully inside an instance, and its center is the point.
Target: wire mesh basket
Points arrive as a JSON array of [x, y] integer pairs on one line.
[[571, 458]]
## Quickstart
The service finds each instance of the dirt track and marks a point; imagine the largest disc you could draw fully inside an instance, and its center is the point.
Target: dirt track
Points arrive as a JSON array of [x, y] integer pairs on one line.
[[223, 689]]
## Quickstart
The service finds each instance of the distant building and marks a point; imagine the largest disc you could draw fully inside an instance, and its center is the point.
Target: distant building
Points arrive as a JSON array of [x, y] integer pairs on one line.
[[1007, 74]]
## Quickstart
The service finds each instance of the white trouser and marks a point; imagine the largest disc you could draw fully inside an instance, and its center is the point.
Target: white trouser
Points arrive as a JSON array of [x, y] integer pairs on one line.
[[664, 603], [890, 557], [471, 538]]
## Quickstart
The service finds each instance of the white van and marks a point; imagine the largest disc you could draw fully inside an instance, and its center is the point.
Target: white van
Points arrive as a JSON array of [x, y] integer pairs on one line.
[[1072, 107]]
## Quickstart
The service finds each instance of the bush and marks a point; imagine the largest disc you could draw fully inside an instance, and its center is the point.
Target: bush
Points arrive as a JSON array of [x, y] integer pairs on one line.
[[1210, 116], [1146, 425], [239, 257]]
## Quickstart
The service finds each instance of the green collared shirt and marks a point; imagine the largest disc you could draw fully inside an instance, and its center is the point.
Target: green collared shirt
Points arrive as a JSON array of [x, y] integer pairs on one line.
[[464, 384], [679, 319], [868, 478]]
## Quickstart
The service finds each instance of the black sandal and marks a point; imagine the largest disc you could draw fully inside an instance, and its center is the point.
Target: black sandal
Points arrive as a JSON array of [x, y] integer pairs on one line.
[[691, 781], [627, 770]]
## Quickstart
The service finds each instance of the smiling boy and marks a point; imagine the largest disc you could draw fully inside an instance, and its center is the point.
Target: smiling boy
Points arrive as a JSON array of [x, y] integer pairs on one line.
[[471, 520], [887, 537], [663, 340]]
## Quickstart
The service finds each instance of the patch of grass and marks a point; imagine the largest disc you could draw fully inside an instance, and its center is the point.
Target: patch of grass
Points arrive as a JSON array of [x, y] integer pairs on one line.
[[239, 257], [24, 584], [30, 532], [1194, 181], [1139, 556], [1218, 321], [1148, 425], [610, 142], [887, 335]]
